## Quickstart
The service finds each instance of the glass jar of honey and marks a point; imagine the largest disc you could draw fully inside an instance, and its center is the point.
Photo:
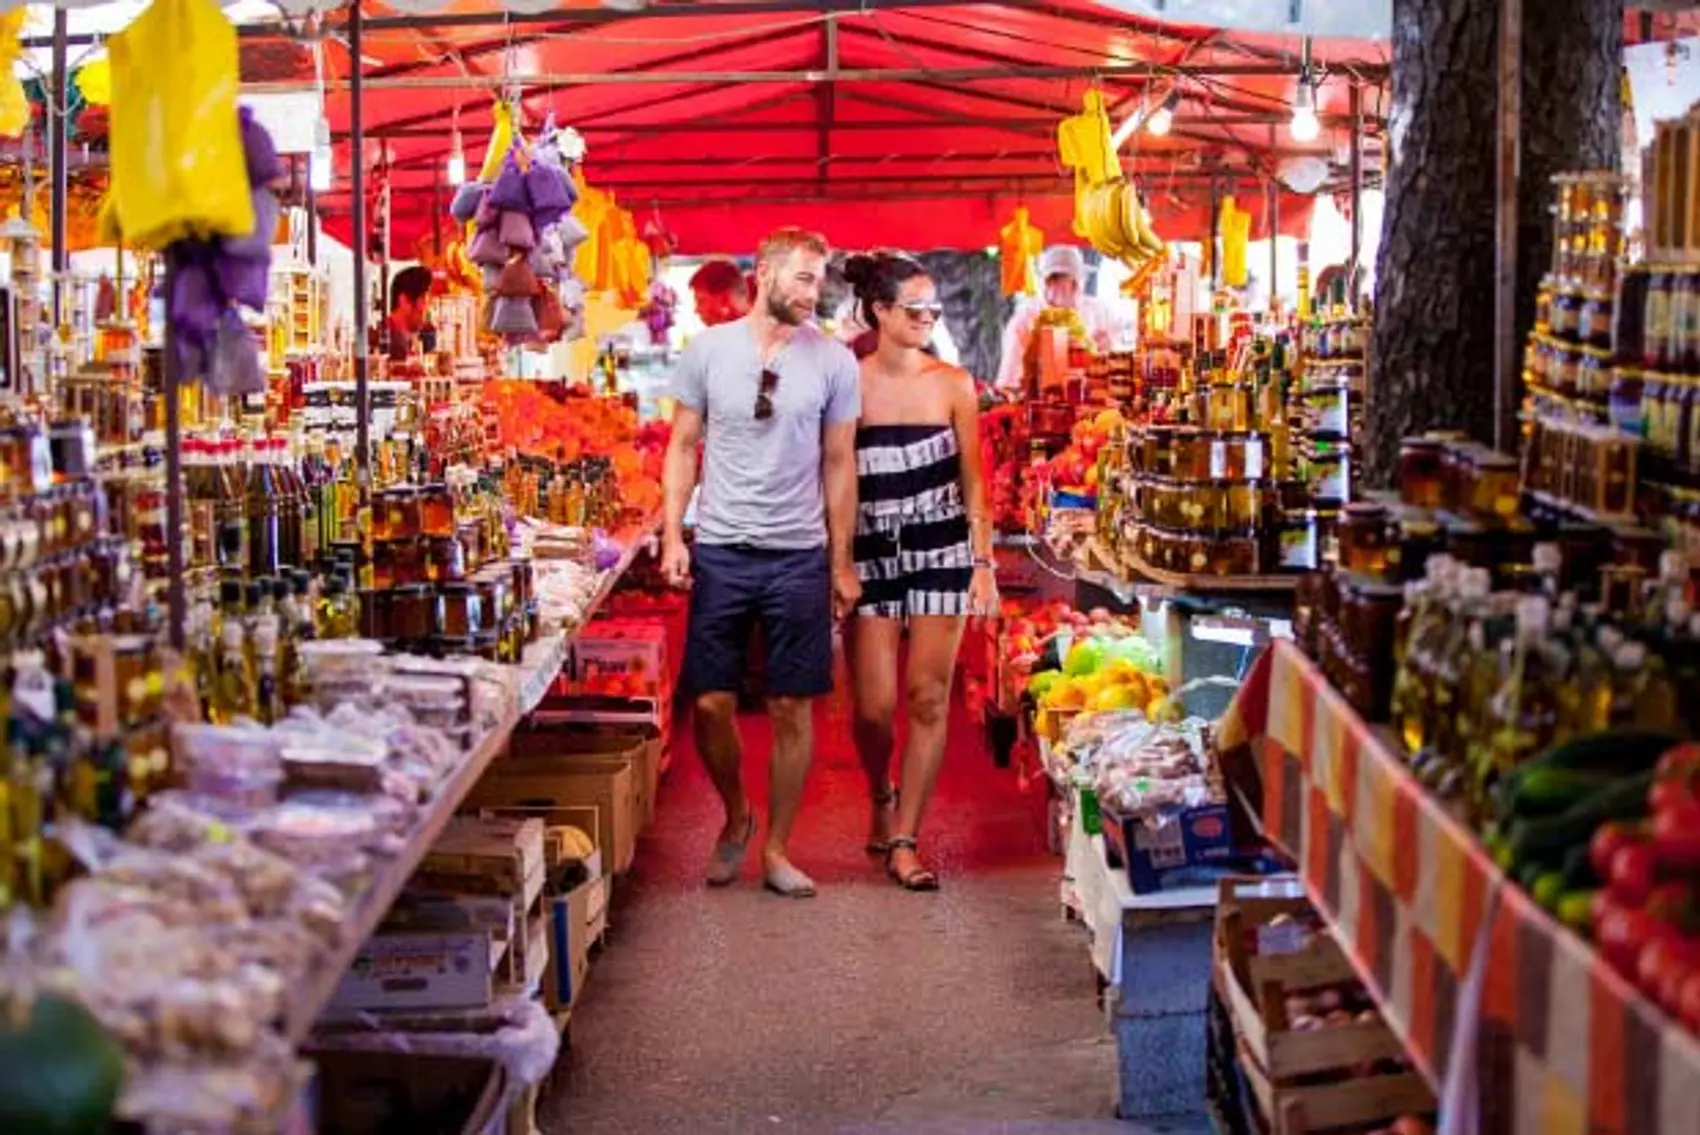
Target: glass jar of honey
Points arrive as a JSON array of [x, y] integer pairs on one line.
[[375, 620], [1420, 470], [71, 449], [398, 563], [400, 508], [1493, 485], [1365, 538], [437, 510], [445, 559], [462, 613], [414, 615]]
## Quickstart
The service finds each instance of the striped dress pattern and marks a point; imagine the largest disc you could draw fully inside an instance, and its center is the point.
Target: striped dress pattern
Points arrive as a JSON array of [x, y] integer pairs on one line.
[[912, 550]]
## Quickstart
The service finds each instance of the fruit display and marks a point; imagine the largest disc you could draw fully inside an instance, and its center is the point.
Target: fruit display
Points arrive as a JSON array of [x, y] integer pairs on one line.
[[1004, 459], [582, 427]]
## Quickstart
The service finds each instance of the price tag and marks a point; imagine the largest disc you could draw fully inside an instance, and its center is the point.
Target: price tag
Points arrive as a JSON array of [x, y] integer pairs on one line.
[[1164, 843]]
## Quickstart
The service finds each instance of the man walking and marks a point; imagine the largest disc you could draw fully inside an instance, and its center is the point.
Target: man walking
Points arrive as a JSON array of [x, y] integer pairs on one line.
[[773, 403]]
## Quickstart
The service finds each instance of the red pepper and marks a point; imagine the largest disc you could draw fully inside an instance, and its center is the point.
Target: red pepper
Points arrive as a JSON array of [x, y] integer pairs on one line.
[[1621, 931], [1676, 779], [1676, 834], [1688, 1002], [1612, 835], [1633, 873], [1664, 964]]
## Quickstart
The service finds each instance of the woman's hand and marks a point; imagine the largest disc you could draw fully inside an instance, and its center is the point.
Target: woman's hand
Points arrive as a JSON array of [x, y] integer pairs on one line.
[[983, 594]]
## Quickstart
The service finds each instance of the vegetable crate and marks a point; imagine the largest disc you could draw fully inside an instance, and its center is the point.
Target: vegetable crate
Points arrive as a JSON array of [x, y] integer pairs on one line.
[[1313, 1057]]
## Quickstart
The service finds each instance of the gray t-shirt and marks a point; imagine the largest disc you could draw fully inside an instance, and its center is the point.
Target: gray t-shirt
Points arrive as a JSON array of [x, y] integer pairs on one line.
[[761, 480]]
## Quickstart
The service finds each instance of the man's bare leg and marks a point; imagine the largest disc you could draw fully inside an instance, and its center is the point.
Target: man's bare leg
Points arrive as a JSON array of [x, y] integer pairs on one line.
[[716, 725], [788, 772]]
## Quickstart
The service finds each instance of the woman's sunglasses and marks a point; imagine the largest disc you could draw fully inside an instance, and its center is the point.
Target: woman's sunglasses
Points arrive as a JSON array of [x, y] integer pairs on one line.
[[764, 394], [921, 310]]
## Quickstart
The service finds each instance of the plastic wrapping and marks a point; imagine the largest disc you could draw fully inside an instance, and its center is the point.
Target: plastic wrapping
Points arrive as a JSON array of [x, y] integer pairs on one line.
[[514, 1030]]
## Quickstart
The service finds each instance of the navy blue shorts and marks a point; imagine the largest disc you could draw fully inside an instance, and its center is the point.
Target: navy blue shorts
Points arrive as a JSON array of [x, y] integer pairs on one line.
[[788, 594]]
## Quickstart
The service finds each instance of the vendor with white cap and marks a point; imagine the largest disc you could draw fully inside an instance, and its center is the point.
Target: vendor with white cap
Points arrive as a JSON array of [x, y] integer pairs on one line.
[[1062, 267]]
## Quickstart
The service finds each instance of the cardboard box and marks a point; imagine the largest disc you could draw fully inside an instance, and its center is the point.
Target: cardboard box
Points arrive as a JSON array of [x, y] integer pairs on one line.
[[1189, 839], [577, 920], [554, 733], [542, 786], [418, 970], [362, 1092], [486, 855]]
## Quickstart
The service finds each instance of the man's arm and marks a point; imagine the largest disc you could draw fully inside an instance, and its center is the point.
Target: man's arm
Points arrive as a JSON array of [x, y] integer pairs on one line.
[[838, 471], [679, 475]]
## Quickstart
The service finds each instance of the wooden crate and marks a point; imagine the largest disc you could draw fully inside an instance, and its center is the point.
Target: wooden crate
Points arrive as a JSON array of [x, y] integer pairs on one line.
[[1303, 1081]]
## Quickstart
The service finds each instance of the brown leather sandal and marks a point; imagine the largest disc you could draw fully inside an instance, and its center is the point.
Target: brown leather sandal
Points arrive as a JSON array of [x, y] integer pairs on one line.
[[919, 879]]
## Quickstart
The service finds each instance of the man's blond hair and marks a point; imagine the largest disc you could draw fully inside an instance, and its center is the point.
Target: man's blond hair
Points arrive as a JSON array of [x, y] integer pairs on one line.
[[779, 244]]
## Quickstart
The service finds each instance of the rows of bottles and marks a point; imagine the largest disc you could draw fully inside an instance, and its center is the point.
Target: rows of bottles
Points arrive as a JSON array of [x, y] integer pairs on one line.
[[1486, 678]]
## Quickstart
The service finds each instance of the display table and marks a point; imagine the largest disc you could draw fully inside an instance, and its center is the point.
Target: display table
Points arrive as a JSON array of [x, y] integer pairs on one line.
[[1515, 1020], [1152, 952]]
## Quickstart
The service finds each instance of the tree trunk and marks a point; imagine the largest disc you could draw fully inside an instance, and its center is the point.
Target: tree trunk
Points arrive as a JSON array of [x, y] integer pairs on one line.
[[1433, 364], [1572, 120], [1432, 358]]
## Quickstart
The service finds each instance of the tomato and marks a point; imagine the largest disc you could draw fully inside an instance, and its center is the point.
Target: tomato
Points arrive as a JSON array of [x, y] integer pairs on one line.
[[1676, 780], [1661, 969], [1634, 871], [1682, 758], [1622, 932], [1676, 834], [1605, 843], [1688, 1002]]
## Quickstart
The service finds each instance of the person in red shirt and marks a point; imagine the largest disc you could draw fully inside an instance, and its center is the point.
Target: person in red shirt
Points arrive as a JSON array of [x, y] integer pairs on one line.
[[721, 292]]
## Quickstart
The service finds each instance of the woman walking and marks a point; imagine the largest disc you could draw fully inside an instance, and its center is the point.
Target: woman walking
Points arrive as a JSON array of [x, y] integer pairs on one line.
[[923, 548]]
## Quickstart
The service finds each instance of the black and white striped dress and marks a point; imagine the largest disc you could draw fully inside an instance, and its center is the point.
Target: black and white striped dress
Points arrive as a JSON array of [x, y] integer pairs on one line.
[[912, 549]]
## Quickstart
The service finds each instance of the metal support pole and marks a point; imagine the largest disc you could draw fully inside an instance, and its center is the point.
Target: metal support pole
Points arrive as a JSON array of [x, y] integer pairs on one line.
[[357, 193], [1274, 248], [312, 206], [1354, 274], [177, 597], [1508, 156], [57, 128], [1215, 236]]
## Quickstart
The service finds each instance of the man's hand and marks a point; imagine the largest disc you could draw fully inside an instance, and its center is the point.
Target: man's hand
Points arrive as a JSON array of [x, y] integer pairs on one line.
[[846, 590], [676, 563]]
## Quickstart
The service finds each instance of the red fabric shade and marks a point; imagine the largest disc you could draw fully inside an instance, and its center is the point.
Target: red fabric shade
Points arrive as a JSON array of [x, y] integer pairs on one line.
[[745, 139]]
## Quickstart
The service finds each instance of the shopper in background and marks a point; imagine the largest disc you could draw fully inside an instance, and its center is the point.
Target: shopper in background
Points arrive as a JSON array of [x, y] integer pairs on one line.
[[923, 548], [1062, 267], [720, 291], [773, 403], [410, 294]]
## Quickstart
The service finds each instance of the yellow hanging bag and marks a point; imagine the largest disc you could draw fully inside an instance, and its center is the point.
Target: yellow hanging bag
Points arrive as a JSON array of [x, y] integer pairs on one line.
[[1235, 227], [178, 168]]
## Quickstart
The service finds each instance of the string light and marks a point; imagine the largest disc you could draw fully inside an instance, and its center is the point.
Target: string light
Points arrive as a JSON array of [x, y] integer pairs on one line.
[[457, 161], [1164, 116], [1305, 126]]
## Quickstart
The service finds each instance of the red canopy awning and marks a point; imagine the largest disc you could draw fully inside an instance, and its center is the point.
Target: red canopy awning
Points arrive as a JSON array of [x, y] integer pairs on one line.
[[920, 123]]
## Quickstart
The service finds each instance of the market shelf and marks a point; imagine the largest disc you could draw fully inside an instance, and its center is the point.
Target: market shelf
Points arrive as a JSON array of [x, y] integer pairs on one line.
[[1502, 1009], [538, 669]]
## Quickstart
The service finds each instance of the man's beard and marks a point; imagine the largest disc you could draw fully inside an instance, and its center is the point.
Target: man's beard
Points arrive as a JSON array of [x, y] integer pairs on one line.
[[782, 311]]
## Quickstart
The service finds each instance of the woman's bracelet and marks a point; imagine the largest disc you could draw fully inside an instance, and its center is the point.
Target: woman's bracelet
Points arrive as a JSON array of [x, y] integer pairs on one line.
[[984, 563]]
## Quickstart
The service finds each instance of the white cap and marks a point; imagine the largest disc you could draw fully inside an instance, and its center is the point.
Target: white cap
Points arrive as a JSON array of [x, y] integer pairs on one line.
[[1062, 260]]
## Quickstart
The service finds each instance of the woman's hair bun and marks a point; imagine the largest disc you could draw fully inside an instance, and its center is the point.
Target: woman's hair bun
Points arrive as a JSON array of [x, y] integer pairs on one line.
[[860, 270]]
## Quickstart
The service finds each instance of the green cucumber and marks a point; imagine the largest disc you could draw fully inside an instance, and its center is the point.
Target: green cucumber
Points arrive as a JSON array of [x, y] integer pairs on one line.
[[1553, 791], [1552, 837], [1620, 750]]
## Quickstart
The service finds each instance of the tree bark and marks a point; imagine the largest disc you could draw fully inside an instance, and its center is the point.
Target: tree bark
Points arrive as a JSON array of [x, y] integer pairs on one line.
[[1431, 361], [1572, 120]]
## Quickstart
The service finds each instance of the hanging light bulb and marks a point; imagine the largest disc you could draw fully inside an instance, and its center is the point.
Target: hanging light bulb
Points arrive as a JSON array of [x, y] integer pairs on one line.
[[321, 166], [1164, 116], [457, 161], [1305, 126]]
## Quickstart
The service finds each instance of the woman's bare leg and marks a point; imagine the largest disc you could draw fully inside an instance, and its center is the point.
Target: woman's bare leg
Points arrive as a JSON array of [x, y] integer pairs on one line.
[[872, 644], [933, 642]]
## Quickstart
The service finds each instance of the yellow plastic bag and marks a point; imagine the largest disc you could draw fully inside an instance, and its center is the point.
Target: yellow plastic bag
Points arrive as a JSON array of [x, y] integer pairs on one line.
[[14, 105], [1235, 227], [178, 168]]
